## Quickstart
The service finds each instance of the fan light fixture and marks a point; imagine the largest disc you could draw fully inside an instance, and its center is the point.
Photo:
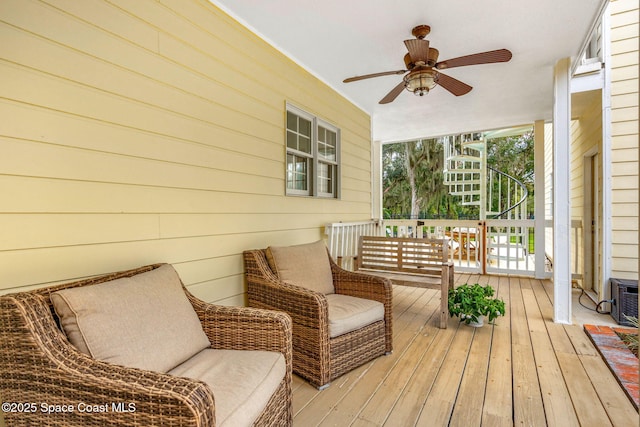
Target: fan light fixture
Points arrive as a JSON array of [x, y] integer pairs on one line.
[[421, 81]]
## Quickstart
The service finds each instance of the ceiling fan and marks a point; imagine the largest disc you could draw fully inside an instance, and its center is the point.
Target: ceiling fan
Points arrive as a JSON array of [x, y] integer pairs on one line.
[[422, 63]]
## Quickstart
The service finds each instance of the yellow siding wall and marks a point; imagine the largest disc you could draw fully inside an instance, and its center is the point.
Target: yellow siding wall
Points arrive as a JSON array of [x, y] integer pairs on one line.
[[145, 131], [624, 139], [586, 140]]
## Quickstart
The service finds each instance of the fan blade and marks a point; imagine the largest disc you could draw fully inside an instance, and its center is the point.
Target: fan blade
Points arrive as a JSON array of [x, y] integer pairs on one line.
[[393, 94], [368, 76], [454, 86], [500, 55], [418, 50]]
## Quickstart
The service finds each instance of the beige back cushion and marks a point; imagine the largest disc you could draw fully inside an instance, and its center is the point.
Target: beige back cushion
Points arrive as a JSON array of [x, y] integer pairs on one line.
[[303, 265], [144, 321]]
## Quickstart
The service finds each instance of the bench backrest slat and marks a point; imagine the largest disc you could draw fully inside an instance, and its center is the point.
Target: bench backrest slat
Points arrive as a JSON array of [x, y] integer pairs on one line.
[[401, 254]]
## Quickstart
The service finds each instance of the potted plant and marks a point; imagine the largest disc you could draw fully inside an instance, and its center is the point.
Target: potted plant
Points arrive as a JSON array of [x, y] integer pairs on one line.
[[472, 302]]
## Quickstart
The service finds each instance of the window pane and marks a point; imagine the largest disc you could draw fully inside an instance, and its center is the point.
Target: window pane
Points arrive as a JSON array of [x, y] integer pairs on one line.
[[298, 133], [292, 140], [304, 144], [327, 144], [297, 172], [292, 121], [325, 178], [304, 127]]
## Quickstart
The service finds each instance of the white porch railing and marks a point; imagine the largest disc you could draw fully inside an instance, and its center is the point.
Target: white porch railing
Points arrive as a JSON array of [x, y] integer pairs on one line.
[[495, 246], [342, 239]]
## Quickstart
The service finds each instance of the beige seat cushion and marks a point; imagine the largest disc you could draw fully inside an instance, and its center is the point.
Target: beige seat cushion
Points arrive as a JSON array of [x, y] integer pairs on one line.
[[145, 321], [347, 313], [303, 265], [242, 381]]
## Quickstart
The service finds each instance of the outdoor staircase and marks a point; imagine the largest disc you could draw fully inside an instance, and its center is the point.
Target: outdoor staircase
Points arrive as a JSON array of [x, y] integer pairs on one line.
[[496, 193]]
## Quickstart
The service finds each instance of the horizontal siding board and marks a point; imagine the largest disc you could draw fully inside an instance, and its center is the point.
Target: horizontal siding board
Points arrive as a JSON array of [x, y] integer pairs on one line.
[[179, 89], [81, 100], [176, 225], [627, 45], [219, 289], [196, 272], [624, 87], [625, 182], [625, 114], [624, 155], [625, 251], [626, 100], [624, 60], [39, 195], [60, 263], [220, 145], [628, 223], [624, 237], [34, 159], [32, 231], [625, 73], [624, 16], [625, 32], [624, 196], [111, 19]]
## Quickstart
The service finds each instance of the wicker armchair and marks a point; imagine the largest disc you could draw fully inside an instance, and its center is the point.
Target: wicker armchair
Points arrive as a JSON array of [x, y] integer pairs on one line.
[[38, 366], [317, 357]]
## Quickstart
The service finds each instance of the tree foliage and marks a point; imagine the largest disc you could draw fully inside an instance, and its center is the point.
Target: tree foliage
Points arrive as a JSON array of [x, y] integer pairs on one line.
[[413, 179]]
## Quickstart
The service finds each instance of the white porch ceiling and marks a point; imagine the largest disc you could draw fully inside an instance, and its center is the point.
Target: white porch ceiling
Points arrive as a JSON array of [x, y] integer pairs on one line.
[[336, 39]]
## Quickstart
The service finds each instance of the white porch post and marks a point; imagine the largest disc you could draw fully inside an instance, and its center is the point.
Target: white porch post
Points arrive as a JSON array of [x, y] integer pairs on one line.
[[561, 196], [540, 219], [376, 180]]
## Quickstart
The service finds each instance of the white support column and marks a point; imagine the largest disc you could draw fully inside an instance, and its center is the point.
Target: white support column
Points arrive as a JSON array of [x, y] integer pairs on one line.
[[561, 196], [376, 180], [539, 222]]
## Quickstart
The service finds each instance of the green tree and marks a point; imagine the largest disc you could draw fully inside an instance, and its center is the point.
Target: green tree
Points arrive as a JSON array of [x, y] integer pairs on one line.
[[413, 182], [413, 179], [514, 155]]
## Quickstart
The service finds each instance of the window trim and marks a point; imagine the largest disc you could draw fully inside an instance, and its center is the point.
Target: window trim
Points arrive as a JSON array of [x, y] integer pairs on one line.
[[315, 159]]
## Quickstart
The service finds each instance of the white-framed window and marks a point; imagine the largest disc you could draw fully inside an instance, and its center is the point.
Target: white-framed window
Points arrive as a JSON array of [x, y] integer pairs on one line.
[[313, 155]]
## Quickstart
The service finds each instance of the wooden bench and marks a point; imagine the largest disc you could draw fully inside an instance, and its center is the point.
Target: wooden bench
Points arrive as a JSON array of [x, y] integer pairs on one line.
[[409, 262]]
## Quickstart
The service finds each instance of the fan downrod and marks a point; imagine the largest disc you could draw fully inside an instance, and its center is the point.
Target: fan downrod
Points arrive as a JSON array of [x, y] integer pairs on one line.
[[421, 31]]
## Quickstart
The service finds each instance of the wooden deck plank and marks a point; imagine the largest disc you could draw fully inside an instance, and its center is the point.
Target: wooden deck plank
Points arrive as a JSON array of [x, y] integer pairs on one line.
[[439, 405], [404, 330], [470, 398], [582, 393], [408, 407], [557, 402], [498, 403], [611, 395], [412, 324], [530, 370], [382, 402], [528, 408]]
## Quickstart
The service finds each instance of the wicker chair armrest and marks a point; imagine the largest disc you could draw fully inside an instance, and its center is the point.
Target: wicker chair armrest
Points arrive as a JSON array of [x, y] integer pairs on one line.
[[361, 285], [59, 374], [245, 328], [266, 290]]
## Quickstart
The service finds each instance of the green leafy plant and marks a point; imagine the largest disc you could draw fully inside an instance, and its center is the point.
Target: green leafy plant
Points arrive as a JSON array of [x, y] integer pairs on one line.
[[469, 302]]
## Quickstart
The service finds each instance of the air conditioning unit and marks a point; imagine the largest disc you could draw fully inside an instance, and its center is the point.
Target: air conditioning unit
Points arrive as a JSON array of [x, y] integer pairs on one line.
[[624, 294]]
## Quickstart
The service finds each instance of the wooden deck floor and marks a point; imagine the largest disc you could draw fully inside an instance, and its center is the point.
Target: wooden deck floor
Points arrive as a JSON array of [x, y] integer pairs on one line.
[[525, 370]]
